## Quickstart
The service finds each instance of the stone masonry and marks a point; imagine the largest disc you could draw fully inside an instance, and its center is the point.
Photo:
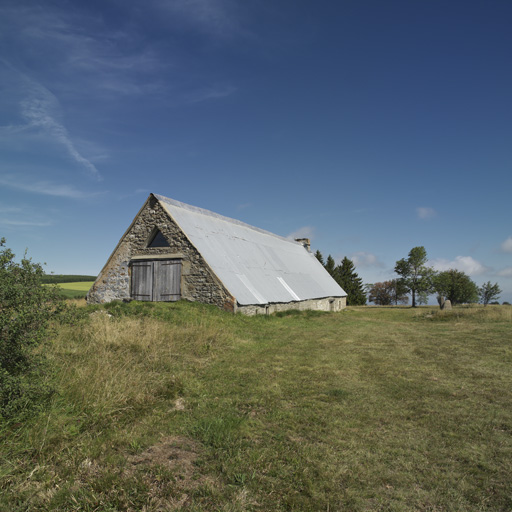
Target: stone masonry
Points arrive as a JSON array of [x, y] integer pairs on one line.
[[198, 282], [325, 304]]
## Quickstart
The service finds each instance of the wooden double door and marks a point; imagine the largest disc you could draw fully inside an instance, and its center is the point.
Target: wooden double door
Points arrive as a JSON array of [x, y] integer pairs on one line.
[[156, 280]]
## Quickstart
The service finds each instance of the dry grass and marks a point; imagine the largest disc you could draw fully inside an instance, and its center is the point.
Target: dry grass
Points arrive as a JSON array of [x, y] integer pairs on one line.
[[169, 407], [478, 313], [114, 365]]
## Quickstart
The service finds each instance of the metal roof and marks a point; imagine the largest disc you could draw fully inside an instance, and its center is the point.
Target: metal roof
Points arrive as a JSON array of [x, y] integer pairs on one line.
[[256, 266]]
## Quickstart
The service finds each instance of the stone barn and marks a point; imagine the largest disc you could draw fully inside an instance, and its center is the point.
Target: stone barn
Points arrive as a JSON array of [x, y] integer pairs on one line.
[[174, 251]]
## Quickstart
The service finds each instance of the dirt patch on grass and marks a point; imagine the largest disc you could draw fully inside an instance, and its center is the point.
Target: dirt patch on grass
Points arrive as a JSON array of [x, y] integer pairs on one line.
[[169, 469], [177, 453]]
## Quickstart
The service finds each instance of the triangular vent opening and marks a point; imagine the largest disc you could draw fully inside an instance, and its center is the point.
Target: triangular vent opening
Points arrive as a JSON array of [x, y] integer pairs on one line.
[[158, 240]]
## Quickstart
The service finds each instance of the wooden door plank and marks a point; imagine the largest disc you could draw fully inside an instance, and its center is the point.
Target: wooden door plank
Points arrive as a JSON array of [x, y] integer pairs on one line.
[[167, 280], [142, 280]]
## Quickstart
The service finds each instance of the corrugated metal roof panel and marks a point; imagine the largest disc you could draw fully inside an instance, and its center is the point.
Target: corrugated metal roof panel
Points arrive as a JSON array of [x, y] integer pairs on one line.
[[256, 266]]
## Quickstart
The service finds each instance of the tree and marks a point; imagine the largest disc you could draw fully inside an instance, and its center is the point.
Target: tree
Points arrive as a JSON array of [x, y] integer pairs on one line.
[[388, 293], [26, 307], [416, 277], [455, 286], [346, 276], [380, 294], [319, 257], [398, 292], [489, 292], [330, 265], [422, 298]]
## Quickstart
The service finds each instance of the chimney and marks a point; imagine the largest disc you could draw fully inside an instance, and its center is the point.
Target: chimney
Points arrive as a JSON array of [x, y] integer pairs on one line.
[[305, 242]]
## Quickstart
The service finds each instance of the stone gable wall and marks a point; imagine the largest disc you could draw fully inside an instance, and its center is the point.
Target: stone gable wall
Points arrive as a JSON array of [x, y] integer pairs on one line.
[[198, 282]]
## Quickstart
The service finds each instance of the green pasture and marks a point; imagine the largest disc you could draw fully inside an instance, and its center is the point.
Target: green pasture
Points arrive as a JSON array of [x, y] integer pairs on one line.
[[180, 406], [80, 286], [75, 290]]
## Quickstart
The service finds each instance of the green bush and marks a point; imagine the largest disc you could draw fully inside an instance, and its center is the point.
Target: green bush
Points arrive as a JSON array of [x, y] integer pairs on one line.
[[26, 308]]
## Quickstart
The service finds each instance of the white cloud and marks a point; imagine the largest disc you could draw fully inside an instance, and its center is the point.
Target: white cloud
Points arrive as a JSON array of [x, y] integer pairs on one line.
[[302, 232], [19, 223], [365, 259], [424, 212], [506, 272], [43, 187], [10, 209], [465, 264], [506, 246], [41, 111]]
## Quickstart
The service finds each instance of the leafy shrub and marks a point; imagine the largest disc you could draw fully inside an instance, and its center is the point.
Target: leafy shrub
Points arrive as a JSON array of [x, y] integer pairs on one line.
[[26, 307]]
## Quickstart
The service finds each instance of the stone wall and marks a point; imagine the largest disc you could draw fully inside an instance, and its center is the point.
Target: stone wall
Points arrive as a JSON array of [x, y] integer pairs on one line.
[[325, 304], [198, 282]]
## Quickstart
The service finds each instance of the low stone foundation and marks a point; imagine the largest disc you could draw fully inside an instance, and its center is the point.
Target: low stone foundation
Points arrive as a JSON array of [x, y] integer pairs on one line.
[[325, 304]]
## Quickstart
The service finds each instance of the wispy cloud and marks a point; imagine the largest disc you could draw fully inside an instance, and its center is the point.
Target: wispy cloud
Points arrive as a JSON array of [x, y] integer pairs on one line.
[[218, 18], [210, 93], [20, 223], [10, 209], [41, 109], [84, 51], [365, 259], [39, 115], [506, 246], [465, 264], [506, 272], [44, 187], [137, 192], [425, 212], [302, 232]]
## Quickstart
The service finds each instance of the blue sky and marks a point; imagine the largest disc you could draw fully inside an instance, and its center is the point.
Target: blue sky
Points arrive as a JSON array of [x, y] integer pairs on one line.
[[370, 127]]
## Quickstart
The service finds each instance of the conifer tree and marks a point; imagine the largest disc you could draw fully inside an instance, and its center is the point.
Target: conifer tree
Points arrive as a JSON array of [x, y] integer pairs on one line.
[[346, 276], [319, 257], [330, 265]]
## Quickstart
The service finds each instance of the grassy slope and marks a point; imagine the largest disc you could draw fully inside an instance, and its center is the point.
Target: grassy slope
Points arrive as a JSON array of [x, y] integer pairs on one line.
[[369, 409]]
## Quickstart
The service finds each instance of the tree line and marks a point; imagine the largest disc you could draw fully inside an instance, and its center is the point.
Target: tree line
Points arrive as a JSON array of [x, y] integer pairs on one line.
[[452, 284], [346, 276], [65, 278], [415, 278]]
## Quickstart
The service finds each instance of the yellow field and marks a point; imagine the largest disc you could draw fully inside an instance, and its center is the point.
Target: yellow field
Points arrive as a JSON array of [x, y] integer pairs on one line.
[[82, 286]]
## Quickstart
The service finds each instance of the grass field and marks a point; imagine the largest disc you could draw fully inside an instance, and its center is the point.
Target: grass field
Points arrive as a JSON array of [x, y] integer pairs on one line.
[[184, 407], [76, 290]]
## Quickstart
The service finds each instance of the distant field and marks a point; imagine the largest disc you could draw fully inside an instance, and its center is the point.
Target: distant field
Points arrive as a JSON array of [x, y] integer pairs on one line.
[[80, 286], [73, 286], [75, 290]]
